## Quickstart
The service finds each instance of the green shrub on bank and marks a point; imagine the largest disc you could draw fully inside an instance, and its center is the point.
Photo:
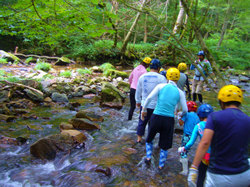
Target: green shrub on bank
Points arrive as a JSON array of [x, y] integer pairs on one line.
[[43, 66], [2, 72], [84, 71], [3, 61], [66, 74]]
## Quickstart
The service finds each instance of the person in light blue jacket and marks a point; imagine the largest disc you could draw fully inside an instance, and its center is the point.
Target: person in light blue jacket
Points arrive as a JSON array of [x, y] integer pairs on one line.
[[147, 82], [162, 119]]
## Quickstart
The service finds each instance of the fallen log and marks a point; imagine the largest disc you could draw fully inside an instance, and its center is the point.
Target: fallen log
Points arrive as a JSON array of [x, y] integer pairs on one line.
[[24, 86]]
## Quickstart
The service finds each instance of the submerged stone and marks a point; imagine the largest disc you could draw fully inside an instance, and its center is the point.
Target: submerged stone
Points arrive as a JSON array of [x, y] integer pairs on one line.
[[47, 147], [84, 124], [90, 115], [78, 136], [57, 97]]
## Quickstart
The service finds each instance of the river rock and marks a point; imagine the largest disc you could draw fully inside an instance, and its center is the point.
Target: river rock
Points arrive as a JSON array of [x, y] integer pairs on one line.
[[115, 73], [96, 69], [6, 118], [34, 96], [90, 115], [12, 141], [47, 147], [243, 78], [110, 93], [116, 105], [77, 136], [4, 96], [66, 126], [124, 86], [57, 97], [83, 124]]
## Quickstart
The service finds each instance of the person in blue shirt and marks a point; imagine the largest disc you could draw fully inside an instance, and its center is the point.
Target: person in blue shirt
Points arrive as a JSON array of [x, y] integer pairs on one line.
[[162, 119], [227, 133], [190, 119], [203, 111], [146, 83]]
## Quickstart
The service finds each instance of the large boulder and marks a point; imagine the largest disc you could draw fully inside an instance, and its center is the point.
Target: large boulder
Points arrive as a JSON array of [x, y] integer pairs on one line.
[[84, 124], [47, 147], [90, 115], [111, 95], [57, 97], [124, 86]]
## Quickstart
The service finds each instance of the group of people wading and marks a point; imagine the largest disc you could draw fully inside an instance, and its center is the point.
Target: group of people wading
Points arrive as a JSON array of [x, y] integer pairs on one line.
[[221, 158]]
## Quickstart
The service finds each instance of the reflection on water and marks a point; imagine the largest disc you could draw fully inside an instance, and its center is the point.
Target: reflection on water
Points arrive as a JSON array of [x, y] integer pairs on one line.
[[113, 149]]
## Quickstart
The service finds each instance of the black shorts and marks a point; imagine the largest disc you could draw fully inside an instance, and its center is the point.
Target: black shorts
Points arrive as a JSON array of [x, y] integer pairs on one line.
[[163, 125]]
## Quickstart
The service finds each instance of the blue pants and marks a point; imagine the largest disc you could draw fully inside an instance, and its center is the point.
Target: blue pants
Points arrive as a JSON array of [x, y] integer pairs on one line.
[[142, 124]]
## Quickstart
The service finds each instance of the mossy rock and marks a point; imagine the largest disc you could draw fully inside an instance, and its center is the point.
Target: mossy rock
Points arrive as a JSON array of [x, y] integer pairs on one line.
[[124, 86], [110, 93], [106, 66], [115, 73], [63, 61]]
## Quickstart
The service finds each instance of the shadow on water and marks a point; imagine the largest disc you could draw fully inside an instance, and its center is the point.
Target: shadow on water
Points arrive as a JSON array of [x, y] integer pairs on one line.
[[112, 150]]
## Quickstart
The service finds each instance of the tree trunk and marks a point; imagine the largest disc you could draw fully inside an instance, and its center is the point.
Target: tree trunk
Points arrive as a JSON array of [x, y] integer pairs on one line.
[[126, 40], [179, 20], [202, 44], [145, 29], [166, 17], [224, 27], [114, 25]]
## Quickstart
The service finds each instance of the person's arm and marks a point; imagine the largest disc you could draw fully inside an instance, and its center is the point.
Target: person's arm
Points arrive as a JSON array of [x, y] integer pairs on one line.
[[183, 102], [131, 77], [193, 138], [203, 147]]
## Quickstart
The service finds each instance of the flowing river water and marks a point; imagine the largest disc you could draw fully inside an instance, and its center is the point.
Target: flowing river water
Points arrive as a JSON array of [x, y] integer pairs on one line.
[[111, 149]]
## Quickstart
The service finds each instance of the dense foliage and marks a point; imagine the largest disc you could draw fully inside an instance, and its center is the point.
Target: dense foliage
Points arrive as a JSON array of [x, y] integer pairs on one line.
[[94, 30]]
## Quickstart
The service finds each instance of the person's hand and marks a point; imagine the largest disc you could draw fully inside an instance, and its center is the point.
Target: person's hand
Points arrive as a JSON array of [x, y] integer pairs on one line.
[[181, 150], [143, 114], [192, 177], [181, 122], [138, 105]]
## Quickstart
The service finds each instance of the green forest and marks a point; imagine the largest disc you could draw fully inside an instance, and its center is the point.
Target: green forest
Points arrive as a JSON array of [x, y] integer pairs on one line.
[[123, 32]]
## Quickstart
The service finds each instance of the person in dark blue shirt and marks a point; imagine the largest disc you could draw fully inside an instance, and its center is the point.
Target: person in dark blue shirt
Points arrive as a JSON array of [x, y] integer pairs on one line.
[[227, 132]]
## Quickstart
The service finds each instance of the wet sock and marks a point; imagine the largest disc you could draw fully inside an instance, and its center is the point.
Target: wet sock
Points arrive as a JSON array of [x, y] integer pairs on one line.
[[149, 149], [194, 96], [163, 158], [200, 98]]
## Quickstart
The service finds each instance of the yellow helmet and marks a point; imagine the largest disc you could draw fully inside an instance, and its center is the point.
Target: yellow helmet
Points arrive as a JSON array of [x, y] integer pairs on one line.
[[230, 93], [147, 60], [182, 66], [162, 69], [173, 74]]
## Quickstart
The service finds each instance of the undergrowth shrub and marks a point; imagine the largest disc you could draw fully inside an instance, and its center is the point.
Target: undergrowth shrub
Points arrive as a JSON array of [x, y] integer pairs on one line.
[[44, 66], [84, 71], [66, 74]]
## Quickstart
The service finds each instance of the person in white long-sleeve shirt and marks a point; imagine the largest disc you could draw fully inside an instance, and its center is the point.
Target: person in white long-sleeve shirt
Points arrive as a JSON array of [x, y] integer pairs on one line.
[[162, 119], [147, 82]]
